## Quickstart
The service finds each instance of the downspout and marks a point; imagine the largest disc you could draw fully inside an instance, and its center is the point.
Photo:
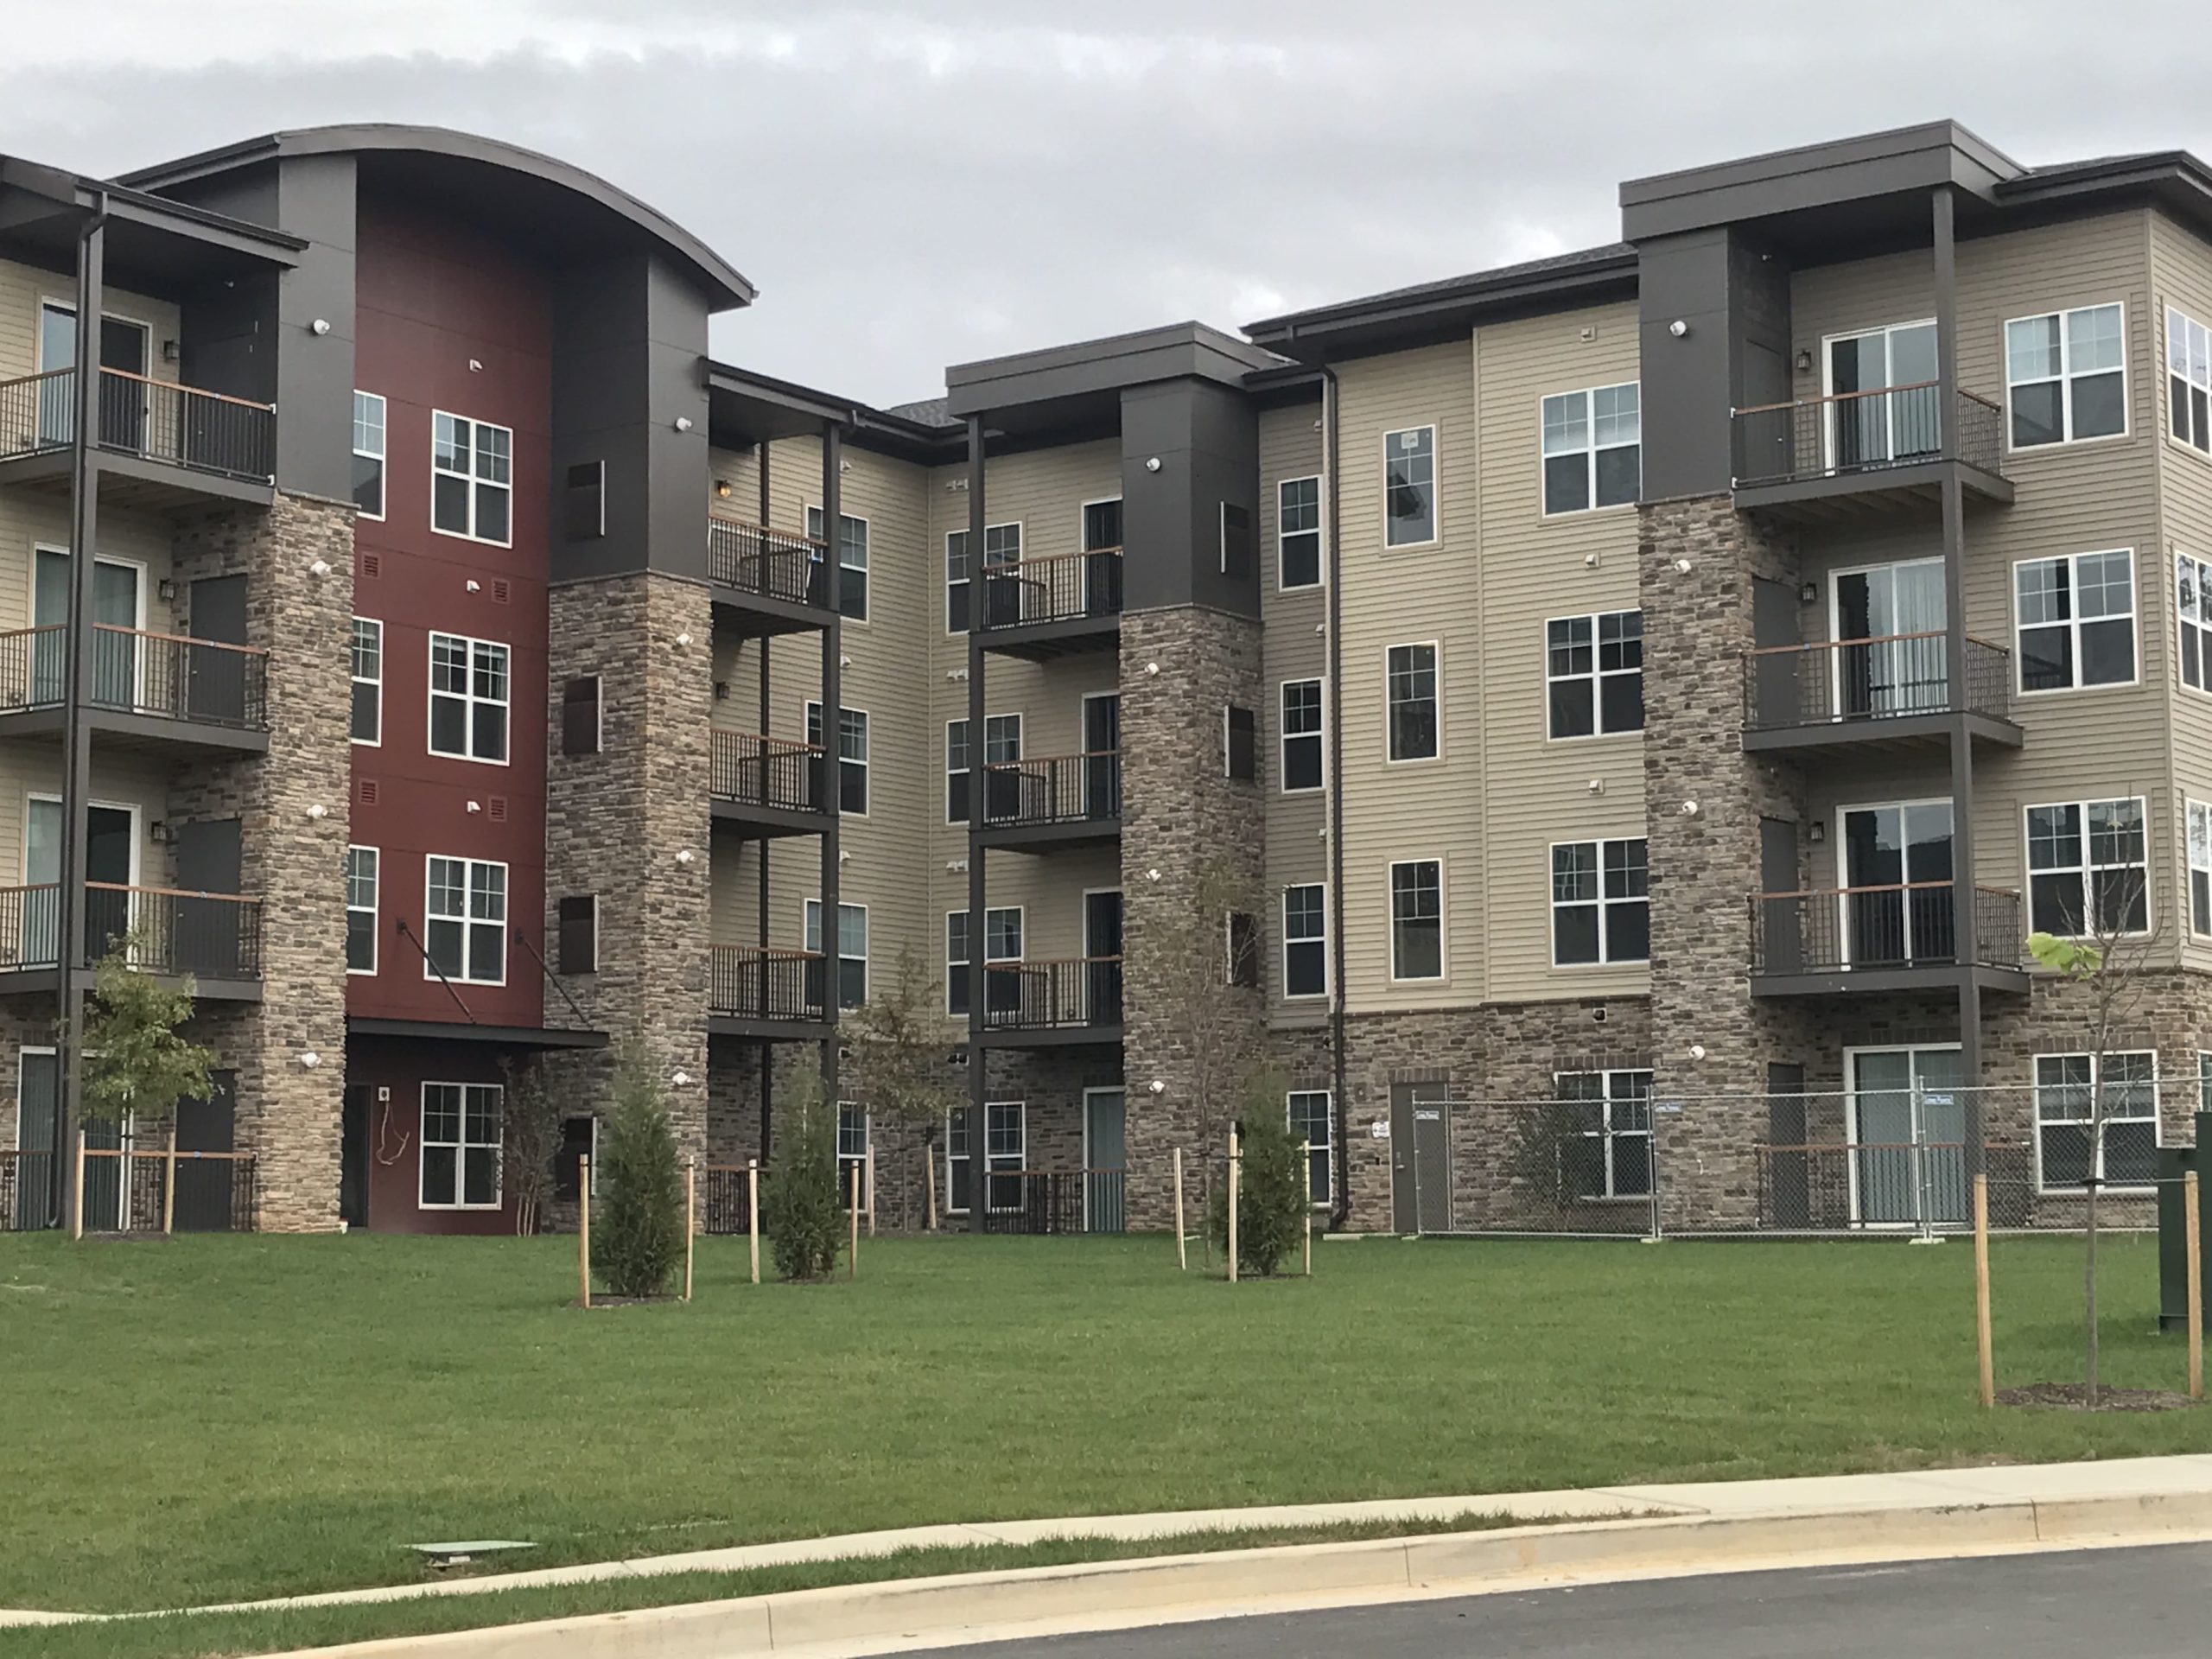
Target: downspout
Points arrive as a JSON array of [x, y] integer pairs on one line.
[[1340, 1212]]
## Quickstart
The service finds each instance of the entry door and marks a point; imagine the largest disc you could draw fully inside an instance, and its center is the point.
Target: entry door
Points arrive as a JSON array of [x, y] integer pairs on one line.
[[1105, 1158], [1876, 430], [215, 684], [124, 346], [204, 1189], [1101, 948], [1101, 755], [1102, 571], [208, 931], [1420, 1158], [1896, 614], [1781, 919], [116, 597], [1778, 672], [113, 834], [353, 1158], [1898, 874], [1902, 1099]]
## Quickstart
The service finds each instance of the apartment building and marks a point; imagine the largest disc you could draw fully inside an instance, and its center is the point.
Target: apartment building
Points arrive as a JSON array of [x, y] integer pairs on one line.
[[1673, 677]]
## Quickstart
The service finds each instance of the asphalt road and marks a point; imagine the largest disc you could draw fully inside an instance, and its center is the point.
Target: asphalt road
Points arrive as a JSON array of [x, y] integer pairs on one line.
[[2110, 1604]]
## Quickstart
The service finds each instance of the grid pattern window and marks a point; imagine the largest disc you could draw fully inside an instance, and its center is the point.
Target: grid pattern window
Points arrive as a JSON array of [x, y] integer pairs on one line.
[[1593, 449], [1311, 1119], [1594, 674], [2076, 621], [2200, 869], [852, 561], [2088, 868], [2193, 605], [469, 692], [852, 1152], [1409, 488], [959, 769], [465, 920], [1298, 533], [1003, 987], [460, 1147], [1417, 919], [1306, 940], [1409, 676], [1301, 737], [368, 454], [1001, 549], [852, 756], [852, 950], [1612, 1116], [2065, 375], [472, 478], [361, 872], [368, 681], [2067, 1091], [1005, 1151], [2189, 381], [1601, 902], [956, 962]]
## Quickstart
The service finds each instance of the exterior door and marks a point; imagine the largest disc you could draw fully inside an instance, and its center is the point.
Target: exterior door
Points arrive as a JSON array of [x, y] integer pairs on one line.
[[214, 686], [123, 346], [208, 932], [1909, 1124], [1420, 1158], [1892, 618], [1101, 755], [1898, 876], [1101, 570], [113, 836], [1101, 950], [1105, 1158], [1778, 672], [1781, 918], [117, 594], [1871, 429], [354, 1157], [39, 1100], [204, 1189]]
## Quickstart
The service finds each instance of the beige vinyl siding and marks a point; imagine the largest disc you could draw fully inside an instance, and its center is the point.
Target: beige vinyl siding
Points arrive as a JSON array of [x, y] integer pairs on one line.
[[1430, 809], [25, 288], [2091, 744], [1294, 647], [31, 766], [32, 519], [1537, 792]]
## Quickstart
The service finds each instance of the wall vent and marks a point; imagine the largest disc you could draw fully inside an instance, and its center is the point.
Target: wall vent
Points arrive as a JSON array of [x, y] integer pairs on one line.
[[372, 567], [501, 590], [495, 808], [365, 791]]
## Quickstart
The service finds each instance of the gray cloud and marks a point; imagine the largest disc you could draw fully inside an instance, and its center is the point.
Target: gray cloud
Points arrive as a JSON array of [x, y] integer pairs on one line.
[[913, 184]]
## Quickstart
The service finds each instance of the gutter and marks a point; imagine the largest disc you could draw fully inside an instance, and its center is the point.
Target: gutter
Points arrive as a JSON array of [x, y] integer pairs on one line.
[[1340, 1211]]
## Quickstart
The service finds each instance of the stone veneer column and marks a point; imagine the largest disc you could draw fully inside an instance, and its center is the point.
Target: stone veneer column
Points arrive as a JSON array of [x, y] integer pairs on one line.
[[1179, 810], [616, 822], [288, 1113], [1705, 867]]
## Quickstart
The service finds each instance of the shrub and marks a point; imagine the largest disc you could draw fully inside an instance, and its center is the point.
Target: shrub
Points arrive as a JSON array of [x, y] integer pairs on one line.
[[638, 1236], [1271, 1208], [799, 1208]]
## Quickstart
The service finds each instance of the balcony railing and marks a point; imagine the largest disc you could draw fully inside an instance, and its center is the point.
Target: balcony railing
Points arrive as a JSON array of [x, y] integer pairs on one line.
[[1038, 1204], [773, 563], [1888, 677], [1073, 992], [1055, 789], [1900, 924], [135, 672], [202, 431], [1065, 587], [1856, 432], [745, 983], [767, 771], [208, 935]]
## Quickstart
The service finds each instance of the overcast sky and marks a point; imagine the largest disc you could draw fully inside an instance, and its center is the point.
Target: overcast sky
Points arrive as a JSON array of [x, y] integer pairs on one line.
[[911, 185]]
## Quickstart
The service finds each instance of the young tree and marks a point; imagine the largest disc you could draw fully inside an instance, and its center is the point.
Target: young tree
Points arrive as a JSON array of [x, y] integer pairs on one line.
[[2103, 963], [799, 1210], [898, 1043], [136, 1059], [640, 1241], [1271, 1203], [529, 1137]]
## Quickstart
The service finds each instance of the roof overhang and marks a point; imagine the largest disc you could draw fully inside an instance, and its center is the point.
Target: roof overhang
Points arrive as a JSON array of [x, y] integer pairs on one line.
[[745, 407], [1439, 311], [1079, 387], [154, 246]]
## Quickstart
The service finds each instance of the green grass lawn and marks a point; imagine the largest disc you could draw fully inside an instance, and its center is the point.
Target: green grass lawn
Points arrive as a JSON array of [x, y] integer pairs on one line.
[[221, 1418]]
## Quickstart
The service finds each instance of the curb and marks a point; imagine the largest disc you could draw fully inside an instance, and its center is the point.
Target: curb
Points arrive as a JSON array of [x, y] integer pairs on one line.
[[923, 1612]]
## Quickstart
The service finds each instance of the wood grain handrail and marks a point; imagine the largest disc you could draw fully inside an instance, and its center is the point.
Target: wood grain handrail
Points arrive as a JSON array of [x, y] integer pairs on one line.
[[1851, 397], [159, 1153], [723, 735], [771, 953], [172, 386], [1051, 759], [1050, 558], [1050, 962], [171, 893], [173, 638], [1886, 886], [798, 537], [1870, 639]]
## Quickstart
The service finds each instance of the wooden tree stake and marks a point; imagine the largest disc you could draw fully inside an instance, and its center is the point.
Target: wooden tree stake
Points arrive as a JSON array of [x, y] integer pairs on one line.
[[1305, 1163], [583, 1226], [1233, 1162], [1981, 1291], [853, 1260], [77, 1192], [1182, 1240], [871, 1187], [169, 1186], [753, 1213], [690, 1222]]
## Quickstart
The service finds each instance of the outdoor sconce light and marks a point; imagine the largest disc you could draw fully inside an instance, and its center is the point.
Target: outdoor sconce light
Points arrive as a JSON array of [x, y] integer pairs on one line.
[[166, 588], [169, 351], [158, 833], [1158, 1087], [683, 422], [722, 691], [1152, 464], [320, 326], [1816, 832], [1804, 362], [1809, 593], [320, 568], [722, 489], [683, 856], [1678, 328], [680, 1079], [310, 1059], [684, 638], [318, 812], [1682, 567], [1697, 1050], [1152, 667], [1152, 876], [1689, 809]]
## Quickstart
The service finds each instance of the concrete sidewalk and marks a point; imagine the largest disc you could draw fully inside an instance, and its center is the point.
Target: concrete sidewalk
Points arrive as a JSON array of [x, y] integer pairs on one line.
[[2055, 1500]]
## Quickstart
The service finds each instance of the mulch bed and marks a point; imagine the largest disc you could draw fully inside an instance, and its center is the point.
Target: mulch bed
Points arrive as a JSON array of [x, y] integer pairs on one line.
[[599, 1301], [2073, 1396]]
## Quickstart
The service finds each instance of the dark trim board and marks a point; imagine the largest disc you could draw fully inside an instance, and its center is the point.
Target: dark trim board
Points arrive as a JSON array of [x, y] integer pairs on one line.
[[451, 1031]]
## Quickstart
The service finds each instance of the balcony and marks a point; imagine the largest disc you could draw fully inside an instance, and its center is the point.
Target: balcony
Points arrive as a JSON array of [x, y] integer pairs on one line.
[[1048, 1004], [1900, 937], [766, 581], [765, 994], [1860, 454], [214, 937], [163, 445], [158, 687], [1893, 691], [1052, 802], [1047, 607], [764, 787]]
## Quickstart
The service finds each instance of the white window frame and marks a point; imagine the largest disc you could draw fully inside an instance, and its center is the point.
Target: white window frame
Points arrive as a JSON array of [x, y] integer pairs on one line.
[[1436, 488], [1284, 736], [2088, 868], [1318, 534], [2074, 619], [2192, 573], [811, 721], [960, 963], [1435, 650], [2066, 376], [461, 1145], [378, 454], [815, 532], [469, 699], [1442, 925], [2197, 843], [1020, 1108], [2195, 372], [1319, 1197], [811, 928], [1589, 449], [2097, 1153], [1610, 1094], [968, 771], [1597, 676], [375, 879], [973, 580], [1602, 904], [849, 1161], [359, 678], [475, 480], [1282, 909], [465, 920]]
